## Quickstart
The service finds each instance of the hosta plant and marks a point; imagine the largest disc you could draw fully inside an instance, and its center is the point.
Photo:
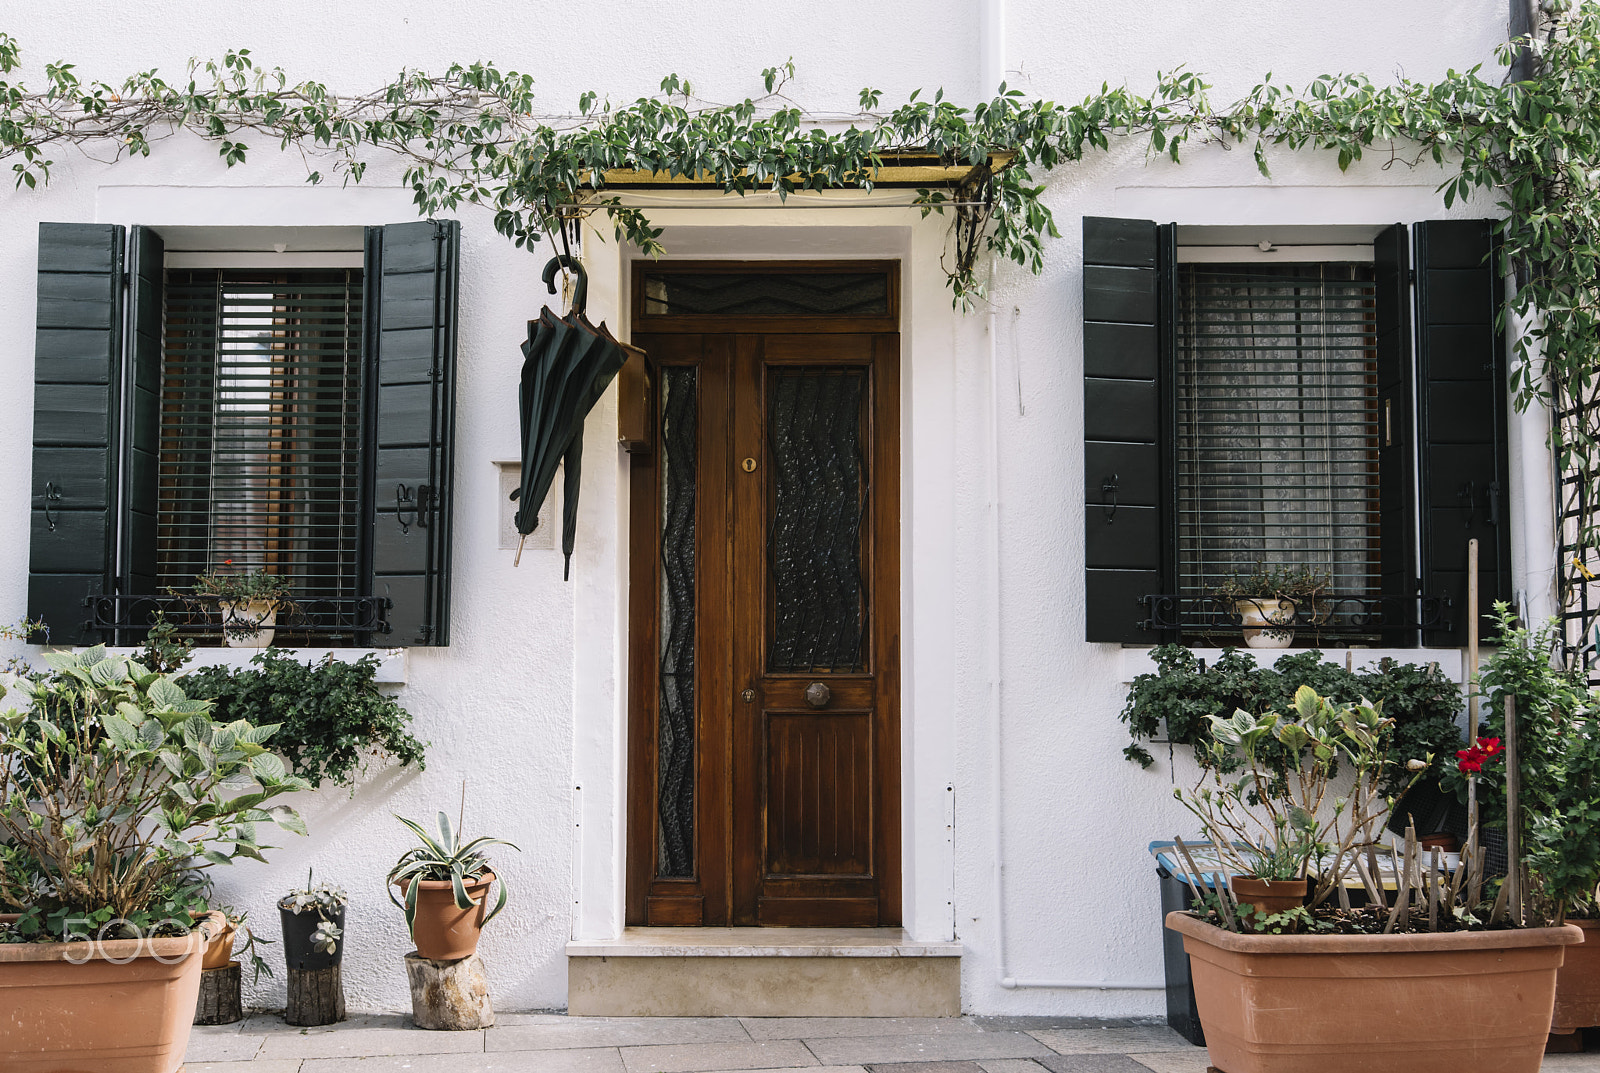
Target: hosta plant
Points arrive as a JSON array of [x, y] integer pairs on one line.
[[443, 856], [116, 790]]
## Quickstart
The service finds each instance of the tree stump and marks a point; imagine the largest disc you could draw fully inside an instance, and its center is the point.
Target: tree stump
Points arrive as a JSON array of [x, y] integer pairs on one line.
[[449, 996], [316, 997], [219, 996]]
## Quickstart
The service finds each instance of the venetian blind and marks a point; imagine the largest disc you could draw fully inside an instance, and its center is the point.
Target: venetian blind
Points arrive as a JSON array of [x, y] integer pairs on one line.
[[1277, 423], [260, 427]]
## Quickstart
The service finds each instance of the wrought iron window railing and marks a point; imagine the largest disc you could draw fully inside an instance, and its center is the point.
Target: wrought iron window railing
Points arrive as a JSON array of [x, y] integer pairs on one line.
[[200, 617], [1342, 618]]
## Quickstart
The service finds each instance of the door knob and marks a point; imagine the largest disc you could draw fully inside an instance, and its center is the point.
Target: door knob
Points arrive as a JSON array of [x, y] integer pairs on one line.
[[817, 695]]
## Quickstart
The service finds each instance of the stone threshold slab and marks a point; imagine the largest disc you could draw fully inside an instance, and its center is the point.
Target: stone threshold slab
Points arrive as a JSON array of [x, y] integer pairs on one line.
[[763, 942]]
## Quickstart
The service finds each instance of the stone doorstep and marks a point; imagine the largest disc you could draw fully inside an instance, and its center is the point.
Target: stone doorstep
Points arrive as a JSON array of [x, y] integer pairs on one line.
[[762, 972]]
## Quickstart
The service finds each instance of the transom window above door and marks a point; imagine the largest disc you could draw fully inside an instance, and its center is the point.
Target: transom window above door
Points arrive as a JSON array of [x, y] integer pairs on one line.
[[774, 296]]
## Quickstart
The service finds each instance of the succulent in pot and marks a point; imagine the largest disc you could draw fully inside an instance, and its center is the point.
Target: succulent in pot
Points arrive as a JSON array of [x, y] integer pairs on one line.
[[117, 791], [313, 925], [446, 886], [1269, 601]]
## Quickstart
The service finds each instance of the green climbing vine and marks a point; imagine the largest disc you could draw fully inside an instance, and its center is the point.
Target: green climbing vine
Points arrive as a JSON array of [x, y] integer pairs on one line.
[[475, 135]]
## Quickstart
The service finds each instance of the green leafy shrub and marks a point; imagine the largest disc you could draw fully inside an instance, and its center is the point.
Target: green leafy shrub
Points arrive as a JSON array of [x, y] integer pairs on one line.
[[1178, 701], [331, 716], [117, 792]]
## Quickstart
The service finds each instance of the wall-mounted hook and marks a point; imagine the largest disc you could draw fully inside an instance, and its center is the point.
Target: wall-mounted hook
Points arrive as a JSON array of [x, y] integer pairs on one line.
[[1108, 497], [403, 498], [52, 497]]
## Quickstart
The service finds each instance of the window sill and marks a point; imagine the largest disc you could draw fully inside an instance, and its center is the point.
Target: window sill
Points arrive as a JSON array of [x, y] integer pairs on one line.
[[391, 670], [1452, 661]]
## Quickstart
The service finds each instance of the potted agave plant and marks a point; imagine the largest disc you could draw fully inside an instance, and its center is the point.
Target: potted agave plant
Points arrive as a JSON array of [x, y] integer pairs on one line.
[[100, 965], [1442, 981], [1269, 600], [446, 885], [249, 603]]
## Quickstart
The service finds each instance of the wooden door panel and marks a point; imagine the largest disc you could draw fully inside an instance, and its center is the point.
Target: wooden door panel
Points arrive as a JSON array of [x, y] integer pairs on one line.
[[819, 794], [795, 811]]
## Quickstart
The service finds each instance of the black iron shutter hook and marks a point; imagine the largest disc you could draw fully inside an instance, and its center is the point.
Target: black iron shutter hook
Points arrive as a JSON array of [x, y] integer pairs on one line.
[[1108, 497], [52, 496], [403, 498]]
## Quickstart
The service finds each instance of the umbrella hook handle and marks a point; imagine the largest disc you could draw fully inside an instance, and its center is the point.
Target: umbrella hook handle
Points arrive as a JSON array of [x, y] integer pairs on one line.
[[580, 296]]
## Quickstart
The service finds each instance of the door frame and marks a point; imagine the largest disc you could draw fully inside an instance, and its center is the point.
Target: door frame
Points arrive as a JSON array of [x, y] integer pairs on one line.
[[690, 904]]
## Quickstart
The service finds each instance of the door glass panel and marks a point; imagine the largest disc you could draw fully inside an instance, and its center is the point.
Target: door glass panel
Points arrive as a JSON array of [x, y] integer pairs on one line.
[[768, 294], [675, 735], [817, 496]]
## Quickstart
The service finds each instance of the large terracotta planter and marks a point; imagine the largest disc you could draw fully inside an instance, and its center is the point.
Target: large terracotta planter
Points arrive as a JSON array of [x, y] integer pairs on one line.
[[1578, 983], [99, 1016], [1444, 1003], [441, 931]]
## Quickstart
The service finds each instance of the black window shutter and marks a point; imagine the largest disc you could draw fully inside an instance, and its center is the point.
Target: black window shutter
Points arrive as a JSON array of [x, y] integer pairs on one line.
[[409, 399], [141, 446], [1126, 472], [1461, 417], [1396, 442], [76, 406]]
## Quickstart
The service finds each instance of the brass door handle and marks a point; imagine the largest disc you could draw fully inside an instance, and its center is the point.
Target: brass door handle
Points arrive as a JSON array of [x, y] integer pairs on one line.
[[818, 695]]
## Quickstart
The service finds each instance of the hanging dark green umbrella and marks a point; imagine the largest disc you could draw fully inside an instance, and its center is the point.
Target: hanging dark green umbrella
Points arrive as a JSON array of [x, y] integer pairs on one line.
[[567, 365]]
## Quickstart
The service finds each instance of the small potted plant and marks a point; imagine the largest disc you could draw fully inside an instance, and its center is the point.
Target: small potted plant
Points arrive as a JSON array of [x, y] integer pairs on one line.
[[249, 602], [446, 888], [313, 925], [1269, 600]]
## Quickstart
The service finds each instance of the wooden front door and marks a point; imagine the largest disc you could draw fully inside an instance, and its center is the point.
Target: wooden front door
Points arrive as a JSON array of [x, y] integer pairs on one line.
[[764, 619]]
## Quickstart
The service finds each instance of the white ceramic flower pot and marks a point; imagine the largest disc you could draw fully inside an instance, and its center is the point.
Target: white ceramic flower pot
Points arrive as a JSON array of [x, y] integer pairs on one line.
[[248, 623], [1268, 623]]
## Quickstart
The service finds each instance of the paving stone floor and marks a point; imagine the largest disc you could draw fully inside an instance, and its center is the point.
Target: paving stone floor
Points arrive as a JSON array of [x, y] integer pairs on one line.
[[555, 1043]]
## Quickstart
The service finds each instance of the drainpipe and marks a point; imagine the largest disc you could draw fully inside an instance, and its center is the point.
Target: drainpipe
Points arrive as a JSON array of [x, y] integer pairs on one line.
[[996, 706], [991, 50]]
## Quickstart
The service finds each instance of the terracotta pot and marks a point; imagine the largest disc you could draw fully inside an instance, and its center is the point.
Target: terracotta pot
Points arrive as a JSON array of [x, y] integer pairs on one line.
[[219, 951], [1578, 982], [1433, 1003], [1269, 895], [1444, 842], [1268, 623], [441, 931], [58, 1017]]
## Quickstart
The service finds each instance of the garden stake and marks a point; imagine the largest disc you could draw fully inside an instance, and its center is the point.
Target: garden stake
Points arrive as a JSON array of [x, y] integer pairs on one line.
[[1498, 913], [1433, 892], [1223, 897], [1374, 892], [1344, 893], [1472, 706], [1191, 874], [1513, 814], [1455, 881]]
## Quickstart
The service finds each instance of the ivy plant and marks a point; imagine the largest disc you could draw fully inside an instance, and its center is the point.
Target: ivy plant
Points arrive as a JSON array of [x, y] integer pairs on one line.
[[475, 134], [332, 718]]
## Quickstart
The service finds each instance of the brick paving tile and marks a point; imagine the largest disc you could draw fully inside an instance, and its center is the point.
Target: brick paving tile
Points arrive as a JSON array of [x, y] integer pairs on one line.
[[1142, 1039], [287, 1065], [1092, 1063], [222, 1047], [952, 1047], [826, 1027], [614, 1032], [369, 1043], [1010, 1065], [711, 1057], [927, 1067], [600, 1060], [1192, 1061], [1039, 1024]]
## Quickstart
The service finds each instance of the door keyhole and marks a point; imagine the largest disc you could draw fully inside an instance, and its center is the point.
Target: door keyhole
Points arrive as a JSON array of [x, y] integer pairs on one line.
[[749, 465], [748, 695]]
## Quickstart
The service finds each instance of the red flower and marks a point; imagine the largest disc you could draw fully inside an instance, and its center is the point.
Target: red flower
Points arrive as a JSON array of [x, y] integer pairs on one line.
[[1491, 747], [1473, 764]]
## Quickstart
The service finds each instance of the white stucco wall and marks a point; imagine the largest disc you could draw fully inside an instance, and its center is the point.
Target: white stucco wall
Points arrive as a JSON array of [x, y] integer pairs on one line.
[[527, 702]]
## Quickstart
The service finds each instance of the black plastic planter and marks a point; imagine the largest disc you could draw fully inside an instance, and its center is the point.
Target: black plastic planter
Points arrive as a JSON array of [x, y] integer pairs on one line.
[[297, 948]]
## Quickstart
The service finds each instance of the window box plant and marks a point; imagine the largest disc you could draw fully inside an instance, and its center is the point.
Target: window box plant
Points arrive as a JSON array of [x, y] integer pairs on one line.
[[101, 965], [249, 603], [446, 885], [1424, 986], [1269, 600]]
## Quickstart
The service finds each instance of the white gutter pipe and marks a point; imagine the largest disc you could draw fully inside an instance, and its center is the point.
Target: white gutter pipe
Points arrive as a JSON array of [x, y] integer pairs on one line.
[[996, 708]]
